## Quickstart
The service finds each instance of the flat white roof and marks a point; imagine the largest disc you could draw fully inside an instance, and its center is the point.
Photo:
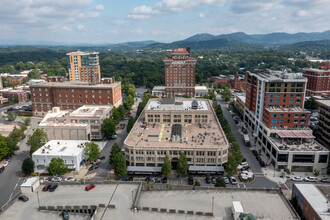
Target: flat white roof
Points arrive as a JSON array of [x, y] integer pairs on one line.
[[201, 88], [314, 197], [62, 148], [90, 110], [237, 205], [186, 105], [29, 182], [241, 97], [324, 102]]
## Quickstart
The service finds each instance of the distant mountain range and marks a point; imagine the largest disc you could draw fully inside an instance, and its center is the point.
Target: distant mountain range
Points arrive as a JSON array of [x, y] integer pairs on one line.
[[204, 41], [241, 40], [272, 38]]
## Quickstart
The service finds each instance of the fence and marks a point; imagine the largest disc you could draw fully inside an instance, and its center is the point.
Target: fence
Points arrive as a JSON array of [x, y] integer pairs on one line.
[[10, 202]]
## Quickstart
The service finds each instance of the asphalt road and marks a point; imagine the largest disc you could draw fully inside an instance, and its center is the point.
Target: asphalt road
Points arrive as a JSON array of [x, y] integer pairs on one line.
[[104, 166], [10, 179]]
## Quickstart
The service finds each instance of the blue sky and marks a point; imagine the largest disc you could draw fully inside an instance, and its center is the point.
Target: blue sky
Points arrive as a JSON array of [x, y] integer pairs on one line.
[[113, 21]]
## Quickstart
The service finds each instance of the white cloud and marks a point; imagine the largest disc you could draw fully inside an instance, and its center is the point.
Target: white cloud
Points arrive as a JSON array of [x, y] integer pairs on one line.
[[171, 6], [99, 7], [80, 27], [137, 31], [66, 28], [201, 15], [121, 23], [90, 14]]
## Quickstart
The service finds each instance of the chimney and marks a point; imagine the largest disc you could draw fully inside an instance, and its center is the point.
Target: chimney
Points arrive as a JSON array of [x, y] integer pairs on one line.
[[188, 49]]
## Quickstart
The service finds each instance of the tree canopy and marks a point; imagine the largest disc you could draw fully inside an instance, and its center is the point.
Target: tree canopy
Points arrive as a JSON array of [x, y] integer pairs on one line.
[[130, 124], [57, 167], [167, 166], [119, 164], [37, 140], [28, 166], [182, 167], [115, 149], [108, 128], [92, 151]]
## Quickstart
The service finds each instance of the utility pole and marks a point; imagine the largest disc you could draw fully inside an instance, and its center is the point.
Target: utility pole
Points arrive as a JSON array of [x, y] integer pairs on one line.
[[212, 204]]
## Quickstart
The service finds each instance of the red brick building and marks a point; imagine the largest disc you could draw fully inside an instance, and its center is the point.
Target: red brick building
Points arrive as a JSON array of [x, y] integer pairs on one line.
[[13, 95], [72, 95], [238, 83], [277, 99], [180, 73], [219, 79], [318, 80]]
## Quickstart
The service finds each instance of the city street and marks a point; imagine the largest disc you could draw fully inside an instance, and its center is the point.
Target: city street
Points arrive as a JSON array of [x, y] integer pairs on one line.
[[10, 180]]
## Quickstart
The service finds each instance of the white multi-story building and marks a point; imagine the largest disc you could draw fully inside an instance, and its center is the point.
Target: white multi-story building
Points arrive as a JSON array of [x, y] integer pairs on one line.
[[72, 152]]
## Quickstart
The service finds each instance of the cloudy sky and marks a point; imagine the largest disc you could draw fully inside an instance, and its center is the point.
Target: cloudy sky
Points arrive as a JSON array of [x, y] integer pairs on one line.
[[113, 21]]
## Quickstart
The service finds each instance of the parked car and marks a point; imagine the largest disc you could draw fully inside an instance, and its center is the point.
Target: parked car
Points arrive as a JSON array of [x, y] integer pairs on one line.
[[65, 215], [89, 187], [325, 180], [243, 159], [254, 152], [23, 198], [235, 120], [57, 179], [214, 180], [244, 130], [245, 167], [226, 180], [258, 158], [262, 163], [158, 180], [46, 179], [147, 179], [53, 187], [153, 179], [6, 163], [164, 180], [2, 169], [233, 180], [207, 180], [297, 178], [124, 178], [102, 158], [70, 179], [113, 137], [310, 179], [46, 187], [191, 180], [94, 167], [239, 166]]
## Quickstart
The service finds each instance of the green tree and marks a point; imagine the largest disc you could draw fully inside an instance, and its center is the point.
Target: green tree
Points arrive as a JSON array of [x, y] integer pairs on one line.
[[226, 93], [108, 128], [119, 164], [28, 166], [23, 128], [16, 134], [122, 111], [167, 166], [4, 150], [27, 121], [38, 139], [182, 167], [92, 151], [116, 115], [115, 149], [57, 167], [197, 183], [220, 183], [11, 116], [311, 103], [34, 74], [130, 124], [231, 167]]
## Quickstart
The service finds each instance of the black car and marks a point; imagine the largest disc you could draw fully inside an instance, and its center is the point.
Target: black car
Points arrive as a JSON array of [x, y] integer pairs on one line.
[[94, 167], [147, 179], [164, 180], [254, 152], [262, 163], [243, 159], [214, 180], [208, 180], [191, 180], [23, 198], [53, 187], [258, 158], [102, 158], [65, 215], [2, 169]]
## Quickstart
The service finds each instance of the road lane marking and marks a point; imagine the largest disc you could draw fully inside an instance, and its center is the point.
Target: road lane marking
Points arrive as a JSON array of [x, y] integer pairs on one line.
[[244, 186], [285, 185], [11, 195], [16, 185], [238, 186]]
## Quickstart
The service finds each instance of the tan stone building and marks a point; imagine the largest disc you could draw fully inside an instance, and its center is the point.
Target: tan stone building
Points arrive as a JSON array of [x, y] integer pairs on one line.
[[171, 126], [84, 123]]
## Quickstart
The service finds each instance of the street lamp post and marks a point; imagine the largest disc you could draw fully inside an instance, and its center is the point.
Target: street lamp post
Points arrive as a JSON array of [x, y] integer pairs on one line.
[[212, 204]]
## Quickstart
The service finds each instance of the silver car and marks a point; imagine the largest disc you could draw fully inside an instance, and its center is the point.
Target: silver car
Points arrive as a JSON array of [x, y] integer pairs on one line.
[[226, 180]]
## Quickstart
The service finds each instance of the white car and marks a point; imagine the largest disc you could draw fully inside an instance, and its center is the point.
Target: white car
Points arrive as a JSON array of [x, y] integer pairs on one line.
[[57, 179], [69, 179], [297, 178], [6, 163], [310, 179], [240, 166]]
